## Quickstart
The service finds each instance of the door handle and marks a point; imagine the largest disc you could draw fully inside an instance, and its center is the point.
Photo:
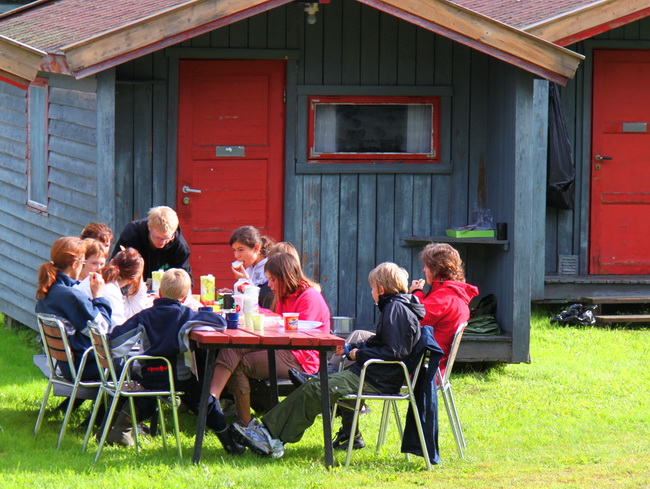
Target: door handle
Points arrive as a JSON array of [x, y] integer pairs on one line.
[[601, 158], [188, 190]]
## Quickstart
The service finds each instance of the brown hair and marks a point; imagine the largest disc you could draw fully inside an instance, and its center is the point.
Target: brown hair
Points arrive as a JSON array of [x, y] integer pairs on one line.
[[286, 247], [126, 265], [393, 278], [99, 231], [95, 247], [443, 261], [65, 251], [251, 237], [175, 284], [286, 269]]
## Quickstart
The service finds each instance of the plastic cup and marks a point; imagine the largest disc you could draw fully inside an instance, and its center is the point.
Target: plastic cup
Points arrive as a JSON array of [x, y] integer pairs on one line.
[[248, 319], [228, 302], [291, 321], [232, 320], [258, 322]]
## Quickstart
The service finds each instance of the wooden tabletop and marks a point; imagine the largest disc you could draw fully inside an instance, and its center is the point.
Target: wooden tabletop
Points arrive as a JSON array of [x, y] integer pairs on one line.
[[270, 336]]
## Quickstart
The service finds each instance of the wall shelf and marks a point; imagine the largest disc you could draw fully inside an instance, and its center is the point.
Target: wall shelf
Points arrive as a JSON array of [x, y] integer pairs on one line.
[[423, 240]]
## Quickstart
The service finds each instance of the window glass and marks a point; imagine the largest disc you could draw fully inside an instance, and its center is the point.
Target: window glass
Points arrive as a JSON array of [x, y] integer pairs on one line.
[[37, 167], [349, 127]]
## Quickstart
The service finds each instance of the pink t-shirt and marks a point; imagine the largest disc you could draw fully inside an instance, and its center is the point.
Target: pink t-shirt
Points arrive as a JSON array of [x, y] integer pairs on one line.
[[312, 307]]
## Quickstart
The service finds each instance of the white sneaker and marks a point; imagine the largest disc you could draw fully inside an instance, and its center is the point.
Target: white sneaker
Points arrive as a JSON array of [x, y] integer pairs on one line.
[[257, 438]]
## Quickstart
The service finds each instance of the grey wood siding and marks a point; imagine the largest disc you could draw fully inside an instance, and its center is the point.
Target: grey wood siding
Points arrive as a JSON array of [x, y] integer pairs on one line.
[[343, 222], [567, 231], [26, 236]]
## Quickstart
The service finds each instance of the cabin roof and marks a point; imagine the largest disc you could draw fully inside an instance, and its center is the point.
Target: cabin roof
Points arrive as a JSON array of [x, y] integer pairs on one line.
[[84, 37], [562, 22]]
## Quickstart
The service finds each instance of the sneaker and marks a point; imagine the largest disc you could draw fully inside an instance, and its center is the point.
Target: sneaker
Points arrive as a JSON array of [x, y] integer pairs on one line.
[[256, 437], [342, 440]]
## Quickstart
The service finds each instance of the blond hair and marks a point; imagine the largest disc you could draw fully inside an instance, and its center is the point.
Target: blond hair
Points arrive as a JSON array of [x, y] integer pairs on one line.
[[393, 278], [443, 261], [175, 284], [163, 219]]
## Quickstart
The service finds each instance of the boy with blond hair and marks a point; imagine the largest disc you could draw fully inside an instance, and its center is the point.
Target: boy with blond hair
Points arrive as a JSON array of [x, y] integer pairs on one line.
[[397, 334], [160, 331], [159, 240]]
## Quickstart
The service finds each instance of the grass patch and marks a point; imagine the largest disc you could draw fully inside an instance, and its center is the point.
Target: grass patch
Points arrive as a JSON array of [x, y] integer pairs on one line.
[[576, 417]]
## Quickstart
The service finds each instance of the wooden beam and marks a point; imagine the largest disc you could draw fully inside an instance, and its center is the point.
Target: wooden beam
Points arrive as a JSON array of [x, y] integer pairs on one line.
[[487, 35], [18, 59], [590, 20], [160, 30]]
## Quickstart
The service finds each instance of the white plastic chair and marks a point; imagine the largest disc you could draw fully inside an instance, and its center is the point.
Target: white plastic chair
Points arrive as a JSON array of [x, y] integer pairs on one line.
[[390, 401], [444, 387], [115, 386], [57, 349]]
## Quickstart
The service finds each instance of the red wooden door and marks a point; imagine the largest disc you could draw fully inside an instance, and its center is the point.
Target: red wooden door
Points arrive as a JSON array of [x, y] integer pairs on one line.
[[620, 163], [231, 150]]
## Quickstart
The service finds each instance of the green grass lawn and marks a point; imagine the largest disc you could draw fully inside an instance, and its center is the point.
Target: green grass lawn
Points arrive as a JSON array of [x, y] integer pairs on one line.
[[577, 416]]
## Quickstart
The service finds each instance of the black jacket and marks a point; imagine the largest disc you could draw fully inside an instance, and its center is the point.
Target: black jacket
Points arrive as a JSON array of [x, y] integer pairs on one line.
[[175, 254], [426, 397], [397, 334]]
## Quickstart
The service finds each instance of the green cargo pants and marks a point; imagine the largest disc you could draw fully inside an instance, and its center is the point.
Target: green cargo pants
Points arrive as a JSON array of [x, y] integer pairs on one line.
[[297, 412]]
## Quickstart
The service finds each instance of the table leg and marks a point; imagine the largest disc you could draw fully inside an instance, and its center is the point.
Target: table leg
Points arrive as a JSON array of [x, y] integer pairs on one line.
[[273, 379], [327, 417], [203, 408]]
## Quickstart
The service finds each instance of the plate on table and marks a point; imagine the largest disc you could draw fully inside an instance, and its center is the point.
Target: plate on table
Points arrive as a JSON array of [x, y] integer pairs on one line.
[[308, 324]]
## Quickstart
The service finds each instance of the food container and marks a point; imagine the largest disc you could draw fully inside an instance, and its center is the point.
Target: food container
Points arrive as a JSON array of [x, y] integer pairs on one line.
[[207, 289], [342, 324], [156, 277], [291, 321]]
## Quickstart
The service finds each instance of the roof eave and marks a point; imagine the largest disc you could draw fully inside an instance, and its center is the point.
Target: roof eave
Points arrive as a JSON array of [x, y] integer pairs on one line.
[[589, 20], [18, 59], [487, 35], [110, 48]]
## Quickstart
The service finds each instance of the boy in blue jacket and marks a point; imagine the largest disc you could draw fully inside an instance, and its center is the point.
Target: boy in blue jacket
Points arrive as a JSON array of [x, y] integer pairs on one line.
[[160, 330], [397, 334]]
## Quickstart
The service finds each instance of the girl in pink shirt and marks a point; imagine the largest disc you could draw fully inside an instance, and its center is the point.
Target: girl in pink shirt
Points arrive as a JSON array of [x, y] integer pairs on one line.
[[293, 293]]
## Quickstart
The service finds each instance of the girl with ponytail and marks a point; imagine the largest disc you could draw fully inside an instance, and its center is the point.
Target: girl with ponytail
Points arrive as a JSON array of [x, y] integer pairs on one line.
[[57, 295]]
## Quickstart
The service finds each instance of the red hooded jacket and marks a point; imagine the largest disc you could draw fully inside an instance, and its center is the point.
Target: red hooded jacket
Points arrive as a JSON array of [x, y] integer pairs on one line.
[[446, 306]]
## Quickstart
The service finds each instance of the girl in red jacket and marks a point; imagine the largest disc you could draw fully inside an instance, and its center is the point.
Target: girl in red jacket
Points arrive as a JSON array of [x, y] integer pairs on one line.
[[447, 302]]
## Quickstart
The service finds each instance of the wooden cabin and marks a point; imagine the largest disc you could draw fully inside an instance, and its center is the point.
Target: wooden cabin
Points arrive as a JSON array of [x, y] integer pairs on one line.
[[596, 252], [224, 111]]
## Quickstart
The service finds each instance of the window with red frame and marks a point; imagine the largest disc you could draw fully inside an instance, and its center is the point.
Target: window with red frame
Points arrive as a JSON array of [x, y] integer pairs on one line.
[[364, 128]]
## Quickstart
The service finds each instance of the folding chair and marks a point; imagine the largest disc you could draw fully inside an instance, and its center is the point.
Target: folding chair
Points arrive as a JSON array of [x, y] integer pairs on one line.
[[390, 401], [444, 387], [116, 387], [57, 349]]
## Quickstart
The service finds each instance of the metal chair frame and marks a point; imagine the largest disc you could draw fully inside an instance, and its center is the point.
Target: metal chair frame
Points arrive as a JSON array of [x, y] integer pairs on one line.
[[390, 403], [115, 386], [444, 387], [57, 349]]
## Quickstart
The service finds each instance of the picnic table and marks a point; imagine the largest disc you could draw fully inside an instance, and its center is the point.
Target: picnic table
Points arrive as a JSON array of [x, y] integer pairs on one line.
[[272, 338]]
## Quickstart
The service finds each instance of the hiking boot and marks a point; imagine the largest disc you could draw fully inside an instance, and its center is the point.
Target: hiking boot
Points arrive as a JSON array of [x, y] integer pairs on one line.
[[298, 378], [257, 437], [342, 440], [229, 444], [122, 431]]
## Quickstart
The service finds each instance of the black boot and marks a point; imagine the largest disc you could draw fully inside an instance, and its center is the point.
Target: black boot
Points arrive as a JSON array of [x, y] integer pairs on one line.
[[298, 378], [230, 446]]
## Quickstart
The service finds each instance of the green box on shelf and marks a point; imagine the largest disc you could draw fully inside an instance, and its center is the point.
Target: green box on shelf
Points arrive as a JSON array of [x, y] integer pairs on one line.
[[473, 233]]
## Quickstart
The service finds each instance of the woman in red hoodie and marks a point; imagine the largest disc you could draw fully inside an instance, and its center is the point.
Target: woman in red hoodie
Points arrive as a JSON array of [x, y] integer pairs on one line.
[[447, 302]]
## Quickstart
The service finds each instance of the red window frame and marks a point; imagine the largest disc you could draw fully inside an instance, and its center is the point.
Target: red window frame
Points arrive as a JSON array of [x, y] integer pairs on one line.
[[434, 157]]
